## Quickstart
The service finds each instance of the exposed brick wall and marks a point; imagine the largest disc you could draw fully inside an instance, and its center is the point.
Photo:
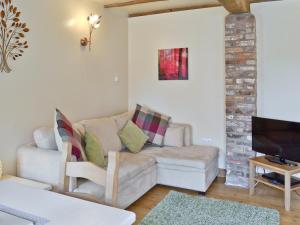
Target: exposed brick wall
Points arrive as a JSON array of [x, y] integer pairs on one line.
[[241, 74]]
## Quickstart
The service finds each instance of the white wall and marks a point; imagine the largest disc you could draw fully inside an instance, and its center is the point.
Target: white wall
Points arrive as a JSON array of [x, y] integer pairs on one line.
[[56, 72], [200, 100], [279, 59]]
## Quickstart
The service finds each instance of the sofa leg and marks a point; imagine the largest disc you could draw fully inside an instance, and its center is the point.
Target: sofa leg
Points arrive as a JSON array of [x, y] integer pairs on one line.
[[202, 193]]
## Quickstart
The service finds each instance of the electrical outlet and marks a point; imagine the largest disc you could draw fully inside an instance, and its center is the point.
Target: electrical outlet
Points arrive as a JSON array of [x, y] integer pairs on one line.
[[207, 140]]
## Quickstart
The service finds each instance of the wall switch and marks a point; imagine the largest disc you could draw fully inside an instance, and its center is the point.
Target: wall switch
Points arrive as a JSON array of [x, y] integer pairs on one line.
[[116, 79]]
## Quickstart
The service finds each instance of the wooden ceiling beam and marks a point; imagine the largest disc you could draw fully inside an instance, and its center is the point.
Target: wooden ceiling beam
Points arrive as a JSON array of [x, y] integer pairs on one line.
[[236, 6], [130, 3], [202, 6], [241, 6], [159, 11], [261, 1]]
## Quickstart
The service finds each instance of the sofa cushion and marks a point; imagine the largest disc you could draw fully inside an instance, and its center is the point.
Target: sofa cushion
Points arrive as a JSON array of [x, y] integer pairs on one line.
[[133, 164], [195, 156], [122, 119], [89, 187], [133, 137], [79, 128], [44, 138], [174, 136], [152, 123], [140, 115], [187, 134], [94, 150], [64, 132], [106, 131]]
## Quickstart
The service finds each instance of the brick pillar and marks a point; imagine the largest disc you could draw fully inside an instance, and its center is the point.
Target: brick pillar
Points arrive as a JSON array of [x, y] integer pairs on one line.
[[241, 74]]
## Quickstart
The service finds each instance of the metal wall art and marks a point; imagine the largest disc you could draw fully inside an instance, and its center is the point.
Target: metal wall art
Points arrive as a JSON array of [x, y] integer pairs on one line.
[[12, 34]]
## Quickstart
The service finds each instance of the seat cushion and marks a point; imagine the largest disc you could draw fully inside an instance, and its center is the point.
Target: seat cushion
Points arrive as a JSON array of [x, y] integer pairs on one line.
[[89, 187], [133, 164], [194, 156]]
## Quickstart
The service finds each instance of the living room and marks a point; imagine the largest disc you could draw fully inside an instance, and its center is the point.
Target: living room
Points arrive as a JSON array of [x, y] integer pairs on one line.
[[101, 61]]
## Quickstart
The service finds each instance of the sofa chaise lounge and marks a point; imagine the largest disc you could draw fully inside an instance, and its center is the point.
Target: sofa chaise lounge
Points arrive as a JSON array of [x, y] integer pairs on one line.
[[189, 166]]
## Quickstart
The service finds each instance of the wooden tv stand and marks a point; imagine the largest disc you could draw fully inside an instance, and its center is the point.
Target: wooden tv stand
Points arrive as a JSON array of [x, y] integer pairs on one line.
[[285, 170]]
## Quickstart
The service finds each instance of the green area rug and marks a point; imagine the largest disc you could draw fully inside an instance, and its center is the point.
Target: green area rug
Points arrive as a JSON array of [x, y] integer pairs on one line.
[[182, 209]]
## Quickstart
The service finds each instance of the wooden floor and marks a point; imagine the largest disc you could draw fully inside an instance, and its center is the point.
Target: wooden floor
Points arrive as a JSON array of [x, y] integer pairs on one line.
[[264, 196]]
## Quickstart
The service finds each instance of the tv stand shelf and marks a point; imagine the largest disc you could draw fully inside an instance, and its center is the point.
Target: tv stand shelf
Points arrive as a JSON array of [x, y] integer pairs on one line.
[[265, 181], [285, 170]]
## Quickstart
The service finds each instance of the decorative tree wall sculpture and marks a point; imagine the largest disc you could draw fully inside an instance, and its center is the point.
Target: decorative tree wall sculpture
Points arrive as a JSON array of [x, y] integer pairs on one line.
[[12, 34]]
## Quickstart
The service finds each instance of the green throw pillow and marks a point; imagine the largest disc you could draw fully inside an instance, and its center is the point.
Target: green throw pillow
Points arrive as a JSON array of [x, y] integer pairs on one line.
[[94, 151], [133, 137]]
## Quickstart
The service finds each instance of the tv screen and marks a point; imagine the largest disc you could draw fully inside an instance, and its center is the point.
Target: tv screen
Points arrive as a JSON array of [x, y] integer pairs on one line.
[[276, 138]]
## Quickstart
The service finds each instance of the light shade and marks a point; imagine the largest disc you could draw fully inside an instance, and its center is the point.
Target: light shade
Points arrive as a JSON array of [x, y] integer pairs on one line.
[[94, 20]]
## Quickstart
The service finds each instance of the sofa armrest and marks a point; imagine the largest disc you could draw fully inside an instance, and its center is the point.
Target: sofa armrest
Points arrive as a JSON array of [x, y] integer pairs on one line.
[[41, 165], [188, 136]]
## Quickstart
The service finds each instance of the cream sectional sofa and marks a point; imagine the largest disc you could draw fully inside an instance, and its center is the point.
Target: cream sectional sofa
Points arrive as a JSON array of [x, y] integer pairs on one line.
[[188, 166]]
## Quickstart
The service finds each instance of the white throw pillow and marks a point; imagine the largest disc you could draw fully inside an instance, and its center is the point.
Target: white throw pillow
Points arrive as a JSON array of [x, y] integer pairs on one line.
[[187, 132], [174, 137], [44, 138], [106, 131]]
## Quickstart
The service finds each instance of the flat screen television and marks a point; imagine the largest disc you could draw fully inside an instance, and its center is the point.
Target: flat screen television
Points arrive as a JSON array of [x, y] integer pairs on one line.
[[276, 138]]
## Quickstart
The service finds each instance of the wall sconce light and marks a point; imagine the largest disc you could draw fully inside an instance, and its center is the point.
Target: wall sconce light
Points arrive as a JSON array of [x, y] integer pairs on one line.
[[94, 23]]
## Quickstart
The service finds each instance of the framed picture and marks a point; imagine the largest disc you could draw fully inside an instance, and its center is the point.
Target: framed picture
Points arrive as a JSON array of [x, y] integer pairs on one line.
[[173, 64]]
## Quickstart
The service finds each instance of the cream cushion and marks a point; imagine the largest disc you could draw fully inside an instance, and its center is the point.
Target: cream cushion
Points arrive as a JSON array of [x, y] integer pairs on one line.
[[106, 131], [174, 137], [44, 138], [79, 128], [122, 119], [195, 156], [187, 132]]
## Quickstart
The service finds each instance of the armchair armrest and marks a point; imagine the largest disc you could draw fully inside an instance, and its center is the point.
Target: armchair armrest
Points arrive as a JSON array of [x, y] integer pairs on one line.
[[88, 171], [108, 178], [39, 164]]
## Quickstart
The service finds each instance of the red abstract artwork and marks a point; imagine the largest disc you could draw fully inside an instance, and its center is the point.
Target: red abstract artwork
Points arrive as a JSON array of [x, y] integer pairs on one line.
[[173, 64]]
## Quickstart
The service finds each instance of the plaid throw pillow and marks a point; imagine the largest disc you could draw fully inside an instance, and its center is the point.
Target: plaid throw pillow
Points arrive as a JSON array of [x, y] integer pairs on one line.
[[152, 123], [64, 132]]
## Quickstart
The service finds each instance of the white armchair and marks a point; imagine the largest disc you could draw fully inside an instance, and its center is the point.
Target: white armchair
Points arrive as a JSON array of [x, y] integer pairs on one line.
[[58, 169], [43, 165]]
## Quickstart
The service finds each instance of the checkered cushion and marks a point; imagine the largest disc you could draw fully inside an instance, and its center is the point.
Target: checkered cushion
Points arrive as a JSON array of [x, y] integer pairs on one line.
[[64, 132], [152, 123]]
